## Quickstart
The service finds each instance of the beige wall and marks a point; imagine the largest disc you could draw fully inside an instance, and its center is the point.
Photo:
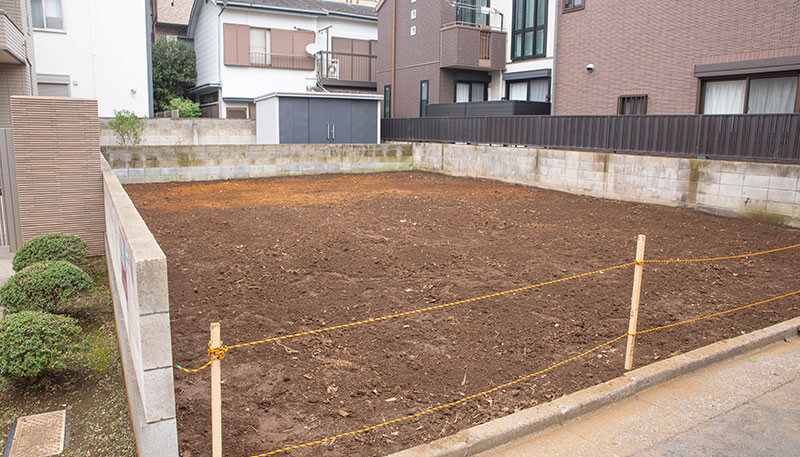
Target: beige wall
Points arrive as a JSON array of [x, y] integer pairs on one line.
[[57, 155], [16, 78]]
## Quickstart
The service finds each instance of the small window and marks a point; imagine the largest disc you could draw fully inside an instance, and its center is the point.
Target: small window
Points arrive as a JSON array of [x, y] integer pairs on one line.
[[237, 113], [423, 98], [632, 104], [46, 14], [413, 14], [413, 30], [572, 5], [387, 101]]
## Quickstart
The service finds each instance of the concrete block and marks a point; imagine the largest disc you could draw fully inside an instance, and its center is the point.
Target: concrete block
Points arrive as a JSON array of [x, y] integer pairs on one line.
[[752, 180], [255, 171], [781, 196], [121, 172], [783, 209], [754, 192], [159, 402], [731, 179], [782, 183], [730, 190], [155, 341]]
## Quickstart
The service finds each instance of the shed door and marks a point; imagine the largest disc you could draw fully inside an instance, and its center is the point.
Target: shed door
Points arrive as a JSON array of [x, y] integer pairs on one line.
[[294, 120], [341, 119], [364, 121], [319, 120]]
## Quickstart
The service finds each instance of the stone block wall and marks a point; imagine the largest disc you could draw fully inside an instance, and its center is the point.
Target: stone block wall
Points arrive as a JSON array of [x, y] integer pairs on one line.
[[193, 131], [727, 188], [147, 164]]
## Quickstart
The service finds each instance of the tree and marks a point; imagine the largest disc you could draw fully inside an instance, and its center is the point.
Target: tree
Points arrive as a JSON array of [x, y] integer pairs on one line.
[[174, 71]]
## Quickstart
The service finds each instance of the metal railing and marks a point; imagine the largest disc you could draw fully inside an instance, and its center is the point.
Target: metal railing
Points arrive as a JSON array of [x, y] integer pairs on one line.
[[288, 61], [346, 66], [765, 137]]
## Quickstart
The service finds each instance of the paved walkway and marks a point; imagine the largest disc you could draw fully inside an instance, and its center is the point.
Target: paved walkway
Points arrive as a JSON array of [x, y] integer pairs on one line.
[[749, 406]]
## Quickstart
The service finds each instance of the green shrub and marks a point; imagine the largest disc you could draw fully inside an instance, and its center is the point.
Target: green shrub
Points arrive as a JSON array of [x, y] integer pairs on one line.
[[44, 286], [174, 71], [128, 126], [185, 107], [52, 246], [32, 342]]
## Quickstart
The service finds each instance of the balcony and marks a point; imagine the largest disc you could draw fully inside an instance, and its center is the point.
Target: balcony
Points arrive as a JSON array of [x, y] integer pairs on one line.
[[286, 61], [471, 47], [12, 41], [344, 69]]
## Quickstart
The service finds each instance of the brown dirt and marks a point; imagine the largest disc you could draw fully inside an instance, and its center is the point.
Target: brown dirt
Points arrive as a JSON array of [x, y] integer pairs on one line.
[[277, 256]]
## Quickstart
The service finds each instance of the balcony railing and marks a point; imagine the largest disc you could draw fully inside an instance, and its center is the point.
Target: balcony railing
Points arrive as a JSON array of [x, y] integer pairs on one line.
[[288, 61], [472, 47], [346, 66]]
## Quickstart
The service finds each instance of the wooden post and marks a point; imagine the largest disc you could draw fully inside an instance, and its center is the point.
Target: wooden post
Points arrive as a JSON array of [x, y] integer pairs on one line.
[[216, 395], [637, 290]]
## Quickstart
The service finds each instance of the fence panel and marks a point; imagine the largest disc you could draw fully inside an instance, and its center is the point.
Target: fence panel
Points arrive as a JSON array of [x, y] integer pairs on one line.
[[766, 137]]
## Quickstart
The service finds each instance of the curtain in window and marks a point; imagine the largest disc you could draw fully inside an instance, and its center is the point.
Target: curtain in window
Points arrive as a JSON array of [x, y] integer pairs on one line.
[[478, 92], [540, 90], [37, 14], [518, 91], [724, 97], [772, 95], [52, 10], [258, 47], [462, 92]]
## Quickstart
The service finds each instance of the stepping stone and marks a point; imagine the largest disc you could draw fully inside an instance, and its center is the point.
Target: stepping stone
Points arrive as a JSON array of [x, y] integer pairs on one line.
[[40, 435]]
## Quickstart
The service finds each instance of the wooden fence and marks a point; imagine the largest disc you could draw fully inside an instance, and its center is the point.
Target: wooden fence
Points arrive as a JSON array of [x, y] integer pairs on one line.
[[763, 137]]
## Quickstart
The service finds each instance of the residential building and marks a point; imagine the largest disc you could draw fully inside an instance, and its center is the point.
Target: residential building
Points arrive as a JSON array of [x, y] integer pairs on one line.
[[171, 18], [17, 59], [94, 49], [248, 49], [442, 51], [677, 57]]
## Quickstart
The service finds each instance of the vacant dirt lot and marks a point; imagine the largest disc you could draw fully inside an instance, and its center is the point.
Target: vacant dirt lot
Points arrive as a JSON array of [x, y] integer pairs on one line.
[[277, 256]]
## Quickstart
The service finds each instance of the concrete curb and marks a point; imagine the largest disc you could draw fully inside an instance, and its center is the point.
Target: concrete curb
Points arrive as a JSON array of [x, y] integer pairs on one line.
[[485, 437]]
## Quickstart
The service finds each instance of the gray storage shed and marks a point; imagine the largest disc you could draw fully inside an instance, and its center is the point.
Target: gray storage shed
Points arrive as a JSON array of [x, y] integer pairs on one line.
[[317, 117]]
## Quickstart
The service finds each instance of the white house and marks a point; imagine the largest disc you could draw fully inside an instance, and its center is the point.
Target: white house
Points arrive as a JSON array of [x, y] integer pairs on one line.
[[94, 49], [245, 49]]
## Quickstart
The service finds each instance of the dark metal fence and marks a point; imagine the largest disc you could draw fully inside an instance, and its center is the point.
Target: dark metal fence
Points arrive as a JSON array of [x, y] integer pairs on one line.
[[766, 137]]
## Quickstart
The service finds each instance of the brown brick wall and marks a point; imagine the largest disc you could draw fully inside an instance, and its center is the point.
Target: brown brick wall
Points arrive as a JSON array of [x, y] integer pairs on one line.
[[57, 155], [648, 47]]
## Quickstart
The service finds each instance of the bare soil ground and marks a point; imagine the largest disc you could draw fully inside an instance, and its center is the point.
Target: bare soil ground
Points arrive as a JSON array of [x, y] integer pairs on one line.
[[277, 256]]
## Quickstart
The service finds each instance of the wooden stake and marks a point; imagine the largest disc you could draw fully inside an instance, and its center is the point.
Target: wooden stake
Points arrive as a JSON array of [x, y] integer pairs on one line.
[[637, 290], [216, 395]]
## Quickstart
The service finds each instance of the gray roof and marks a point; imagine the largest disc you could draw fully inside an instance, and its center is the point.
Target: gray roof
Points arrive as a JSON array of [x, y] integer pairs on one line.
[[314, 6]]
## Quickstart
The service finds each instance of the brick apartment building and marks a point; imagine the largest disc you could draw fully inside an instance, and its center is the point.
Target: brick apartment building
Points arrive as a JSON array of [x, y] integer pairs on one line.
[[677, 57], [17, 58]]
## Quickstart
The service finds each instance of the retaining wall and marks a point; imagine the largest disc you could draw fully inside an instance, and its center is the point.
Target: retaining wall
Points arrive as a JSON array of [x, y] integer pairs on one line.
[[147, 164], [725, 188], [137, 270], [194, 131]]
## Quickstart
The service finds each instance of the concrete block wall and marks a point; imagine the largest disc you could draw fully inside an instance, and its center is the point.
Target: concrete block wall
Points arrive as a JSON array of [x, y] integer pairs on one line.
[[193, 131], [148, 164], [727, 188], [137, 269]]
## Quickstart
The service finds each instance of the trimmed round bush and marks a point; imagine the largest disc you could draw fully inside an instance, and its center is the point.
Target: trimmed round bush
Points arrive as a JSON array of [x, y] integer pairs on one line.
[[44, 286], [32, 342], [52, 246]]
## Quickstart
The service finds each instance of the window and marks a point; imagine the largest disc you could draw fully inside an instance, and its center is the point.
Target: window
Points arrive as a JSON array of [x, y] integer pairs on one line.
[[413, 30], [413, 14], [529, 31], [469, 12], [532, 90], [423, 98], [751, 95], [46, 14], [632, 104], [387, 101], [53, 85], [572, 5], [237, 113], [259, 47], [470, 92]]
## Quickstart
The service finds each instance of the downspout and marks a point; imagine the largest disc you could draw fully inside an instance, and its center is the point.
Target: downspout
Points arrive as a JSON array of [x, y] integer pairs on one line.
[[220, 50], [394, 55], [555, 61]]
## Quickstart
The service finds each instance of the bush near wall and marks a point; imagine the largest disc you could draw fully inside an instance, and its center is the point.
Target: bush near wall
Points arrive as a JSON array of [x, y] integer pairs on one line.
[[44, 286], [32, 343], [52, 246]]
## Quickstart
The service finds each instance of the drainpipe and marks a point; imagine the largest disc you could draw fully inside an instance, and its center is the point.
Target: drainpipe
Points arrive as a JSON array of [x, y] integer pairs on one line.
[[394, 55], [555, 60], [220, 50]]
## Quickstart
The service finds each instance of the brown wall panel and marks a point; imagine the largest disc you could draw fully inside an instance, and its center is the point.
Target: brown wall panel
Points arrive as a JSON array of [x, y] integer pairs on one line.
[[57, 154]]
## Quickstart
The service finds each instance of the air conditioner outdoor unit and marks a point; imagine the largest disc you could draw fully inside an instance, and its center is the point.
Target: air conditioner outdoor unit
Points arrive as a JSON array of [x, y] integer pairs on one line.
[[333, 69]]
